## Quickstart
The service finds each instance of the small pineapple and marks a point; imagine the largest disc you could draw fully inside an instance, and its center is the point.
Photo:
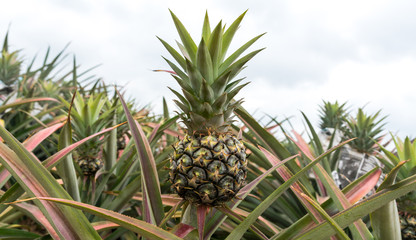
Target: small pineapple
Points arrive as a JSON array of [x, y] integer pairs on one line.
[[89, 164], [359, 156], [209, 164], [89, 117]]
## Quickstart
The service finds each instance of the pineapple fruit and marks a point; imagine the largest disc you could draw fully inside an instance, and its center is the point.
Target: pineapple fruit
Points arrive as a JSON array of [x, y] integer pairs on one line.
[[89, 116], [209, 165]]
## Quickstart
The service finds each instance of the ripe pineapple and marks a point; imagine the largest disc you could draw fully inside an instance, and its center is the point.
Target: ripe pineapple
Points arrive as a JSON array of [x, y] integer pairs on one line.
[[209, 164]]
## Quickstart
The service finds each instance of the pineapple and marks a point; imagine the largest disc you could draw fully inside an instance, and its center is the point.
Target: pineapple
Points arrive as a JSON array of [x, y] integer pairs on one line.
[[209, 165], [89, 117], [359, 156]]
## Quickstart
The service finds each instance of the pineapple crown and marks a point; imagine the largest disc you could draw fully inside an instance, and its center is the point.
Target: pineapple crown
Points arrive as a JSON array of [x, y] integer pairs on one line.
[[332, 115], [10, 64], [206, 75], [367, 130], [89, 116]]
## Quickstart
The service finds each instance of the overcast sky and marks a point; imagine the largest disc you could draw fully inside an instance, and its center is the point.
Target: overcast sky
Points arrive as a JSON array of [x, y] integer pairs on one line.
[[363, 52]]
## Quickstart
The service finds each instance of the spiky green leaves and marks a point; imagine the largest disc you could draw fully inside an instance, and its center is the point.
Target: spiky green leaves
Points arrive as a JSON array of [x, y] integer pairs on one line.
[[205, 77], [9, 64], [367, 130], [333, 115]]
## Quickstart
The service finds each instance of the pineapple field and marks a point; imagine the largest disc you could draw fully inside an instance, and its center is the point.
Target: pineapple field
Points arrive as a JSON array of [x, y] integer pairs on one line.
[[80, 159]]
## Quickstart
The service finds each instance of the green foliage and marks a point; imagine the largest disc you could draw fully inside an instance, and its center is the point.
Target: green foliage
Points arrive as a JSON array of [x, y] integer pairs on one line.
[[332, 115], [366, 129], [404, 154], [205, 74]]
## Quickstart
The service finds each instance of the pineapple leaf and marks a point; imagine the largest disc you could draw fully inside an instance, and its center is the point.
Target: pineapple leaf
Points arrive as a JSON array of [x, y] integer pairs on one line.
[[233, 84], [339, 231], [206, 92], [359, 210], [147, 166], [236, 67], [66, 168], [204, 62], [207, 110], [194, 75], [174, 53], [192, 99], [238, 232], [220, 102], [206, 29], [215, 46], [182, 83], [178, 71], [24, 101], [181, 98], [37, 181], [187, 41], [220, 84], [182, 106], [237, 53], [234, 92], [141, 227], [229, 34]]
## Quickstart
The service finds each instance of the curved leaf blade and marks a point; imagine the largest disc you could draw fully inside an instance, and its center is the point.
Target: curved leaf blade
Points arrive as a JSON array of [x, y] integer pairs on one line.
[[138, 226], [150, 183]]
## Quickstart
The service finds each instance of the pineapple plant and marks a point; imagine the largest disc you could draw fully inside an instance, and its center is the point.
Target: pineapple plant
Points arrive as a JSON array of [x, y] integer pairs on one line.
[[403, 151], [209, 165], [89, 117], [10, 66], [332, 116], [359, 157]]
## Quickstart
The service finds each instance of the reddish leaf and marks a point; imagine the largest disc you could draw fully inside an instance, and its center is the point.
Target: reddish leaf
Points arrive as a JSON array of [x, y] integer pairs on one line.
[[150, 179], [167, 131], [182, 229], [201, 214], [153, 134], [234, 214], [36, 214], [141, 227], [362, 188], [340, 199], [33, 141], [261, 219], [296, 187], [38, 182], [167, 199], [104, 225], [18, 102], [167, 71], [53, 160]]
